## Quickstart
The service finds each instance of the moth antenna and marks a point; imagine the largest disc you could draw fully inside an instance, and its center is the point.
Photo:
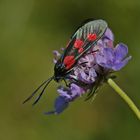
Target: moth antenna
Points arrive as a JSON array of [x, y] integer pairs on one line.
[[47, 83], [37, 90]]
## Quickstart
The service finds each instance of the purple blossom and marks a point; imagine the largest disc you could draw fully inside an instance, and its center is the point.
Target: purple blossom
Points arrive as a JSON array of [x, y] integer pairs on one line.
[[66, 95], [60, 105], [113, 58], [91, 70], [70, 93]]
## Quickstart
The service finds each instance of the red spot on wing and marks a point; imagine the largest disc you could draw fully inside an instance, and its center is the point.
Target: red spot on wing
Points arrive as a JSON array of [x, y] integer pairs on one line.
[[91, 37], [80, 50], [69, 61], [78, 43]]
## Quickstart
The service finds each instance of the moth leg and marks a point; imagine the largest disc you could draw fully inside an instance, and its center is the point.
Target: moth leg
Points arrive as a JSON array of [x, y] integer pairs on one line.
[[66, 83], [80, 83]]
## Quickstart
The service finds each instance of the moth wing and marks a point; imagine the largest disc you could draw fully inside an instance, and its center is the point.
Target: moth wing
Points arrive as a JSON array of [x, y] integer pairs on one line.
[[93, 27]]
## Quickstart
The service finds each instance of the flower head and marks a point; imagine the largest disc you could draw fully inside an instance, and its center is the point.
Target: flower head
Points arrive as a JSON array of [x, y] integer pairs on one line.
[[91, 70]]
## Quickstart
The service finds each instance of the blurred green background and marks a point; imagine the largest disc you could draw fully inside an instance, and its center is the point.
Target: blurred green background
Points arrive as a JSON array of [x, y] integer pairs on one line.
[[29, 31]]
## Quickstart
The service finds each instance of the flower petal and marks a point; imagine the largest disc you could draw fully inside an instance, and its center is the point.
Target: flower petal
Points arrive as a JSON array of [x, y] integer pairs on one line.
[[108, 54], [60, 106], [120, 51], [92, 74], [120, 65], [100, 59], [76, 90], [106, 57], [109, 35], [56, 53], [82, 76], [64, 92]]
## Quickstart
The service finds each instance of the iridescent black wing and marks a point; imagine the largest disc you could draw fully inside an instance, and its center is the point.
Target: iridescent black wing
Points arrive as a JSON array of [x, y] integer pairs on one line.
[[82, 40]]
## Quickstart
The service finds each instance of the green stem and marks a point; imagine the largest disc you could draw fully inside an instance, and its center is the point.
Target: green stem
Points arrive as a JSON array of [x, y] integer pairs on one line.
[[124, 97]]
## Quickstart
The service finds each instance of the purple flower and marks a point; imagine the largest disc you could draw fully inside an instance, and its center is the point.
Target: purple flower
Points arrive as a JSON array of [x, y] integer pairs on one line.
[[70, 93], [60, 105], [113, 58], [91, 71]]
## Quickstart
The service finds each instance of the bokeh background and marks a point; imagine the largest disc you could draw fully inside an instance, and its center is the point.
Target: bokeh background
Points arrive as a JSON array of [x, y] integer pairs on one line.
[[29, 31]]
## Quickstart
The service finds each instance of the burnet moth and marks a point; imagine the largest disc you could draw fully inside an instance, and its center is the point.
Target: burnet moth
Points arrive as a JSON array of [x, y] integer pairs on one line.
[[85, 37]]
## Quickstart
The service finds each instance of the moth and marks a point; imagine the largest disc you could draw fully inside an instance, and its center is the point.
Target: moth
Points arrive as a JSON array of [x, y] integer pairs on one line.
[[85, 37]]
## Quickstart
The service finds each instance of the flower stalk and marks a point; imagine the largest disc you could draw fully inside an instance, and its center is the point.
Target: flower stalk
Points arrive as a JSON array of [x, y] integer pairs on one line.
[[124, 97]]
